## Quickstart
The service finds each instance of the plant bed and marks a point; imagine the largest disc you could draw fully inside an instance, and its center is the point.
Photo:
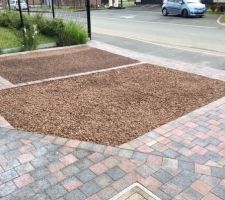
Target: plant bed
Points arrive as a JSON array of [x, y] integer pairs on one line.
[[11, 38], [110, 108], [42, 65]]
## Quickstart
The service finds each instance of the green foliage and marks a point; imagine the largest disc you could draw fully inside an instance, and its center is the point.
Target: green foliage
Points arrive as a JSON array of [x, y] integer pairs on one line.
[[48, 27], [10, 20], [9, 39], [65, 33], [217, 7], [213, 7], [30, 38], [221, 7], [72, 34]]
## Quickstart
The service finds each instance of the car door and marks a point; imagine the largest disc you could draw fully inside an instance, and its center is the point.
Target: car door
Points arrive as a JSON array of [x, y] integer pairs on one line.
[[170, 6], [177, 7]]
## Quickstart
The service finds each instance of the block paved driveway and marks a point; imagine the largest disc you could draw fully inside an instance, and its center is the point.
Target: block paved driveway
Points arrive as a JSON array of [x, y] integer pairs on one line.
[[182, 160]]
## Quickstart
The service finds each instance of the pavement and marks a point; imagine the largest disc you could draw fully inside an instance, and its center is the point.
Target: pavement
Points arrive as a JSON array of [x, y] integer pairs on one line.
[[181, 160], [143, 29]]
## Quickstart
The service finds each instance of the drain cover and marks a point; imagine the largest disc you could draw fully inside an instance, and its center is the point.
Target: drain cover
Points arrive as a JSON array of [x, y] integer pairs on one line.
[[135, 192]]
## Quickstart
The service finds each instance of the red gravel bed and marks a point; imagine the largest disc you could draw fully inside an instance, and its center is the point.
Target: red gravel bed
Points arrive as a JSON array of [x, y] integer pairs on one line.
[[48, 64], [109, 108]]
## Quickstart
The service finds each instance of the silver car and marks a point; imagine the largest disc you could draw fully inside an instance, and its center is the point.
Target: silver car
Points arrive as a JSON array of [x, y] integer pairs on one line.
[[184, 8], [14, 5]]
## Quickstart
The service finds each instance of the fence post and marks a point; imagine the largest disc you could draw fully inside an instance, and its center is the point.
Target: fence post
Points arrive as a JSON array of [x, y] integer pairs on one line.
[[88, 17], [9, 5], [28, 9], [53, 9], [21, 15]]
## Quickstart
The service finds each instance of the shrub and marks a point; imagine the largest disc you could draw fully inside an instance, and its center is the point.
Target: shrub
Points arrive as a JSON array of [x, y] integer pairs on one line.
[[213, 7], [72, 34], [30, 38], [221, 7], [11, 19], [49, 27]]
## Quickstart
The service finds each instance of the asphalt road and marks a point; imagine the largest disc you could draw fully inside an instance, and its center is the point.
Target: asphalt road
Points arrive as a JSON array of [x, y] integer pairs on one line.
[[144, 29]]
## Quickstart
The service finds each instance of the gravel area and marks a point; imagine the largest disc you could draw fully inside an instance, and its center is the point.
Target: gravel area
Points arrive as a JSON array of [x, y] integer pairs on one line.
[[48, 64], [109, 108]]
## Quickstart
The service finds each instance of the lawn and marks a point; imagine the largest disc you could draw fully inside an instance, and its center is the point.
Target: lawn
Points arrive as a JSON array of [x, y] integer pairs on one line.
[[12, 38], [8, 39]]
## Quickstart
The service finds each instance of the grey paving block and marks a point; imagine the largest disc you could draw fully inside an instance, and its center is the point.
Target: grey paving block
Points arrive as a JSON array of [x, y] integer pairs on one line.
[[171, 153], [184, 179], [201, 142], [40, 185], [199, 159], [145, 171], [152, 134], [40, 173], [139, 156], [83, 163], [4, 149], [7, 188], [219, 191], [14, 145], [162, 195], [10, 164], [40, 151], [107, 193], [210, 180], [70, 170], [125, 153], [8, 176], [162, 176], [81, 153], [212, 140], [193, 194], [56, 191], [183, 165], [24, 168], [13, 154], [41, 196], [90, 188], [115, 173], [40, 162], [103, 180], [75, 195], [23, 193], [218, 172], [85, 175]]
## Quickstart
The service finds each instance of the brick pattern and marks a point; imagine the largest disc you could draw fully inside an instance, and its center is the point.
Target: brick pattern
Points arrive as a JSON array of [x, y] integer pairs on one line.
[[48, 167]]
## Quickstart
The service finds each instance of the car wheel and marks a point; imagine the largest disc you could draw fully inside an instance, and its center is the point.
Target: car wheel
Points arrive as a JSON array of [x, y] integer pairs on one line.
[[164, 12], [185, 13]]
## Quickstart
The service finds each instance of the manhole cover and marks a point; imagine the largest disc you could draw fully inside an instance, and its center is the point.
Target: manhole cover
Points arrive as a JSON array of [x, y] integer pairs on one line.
[[135, 192]]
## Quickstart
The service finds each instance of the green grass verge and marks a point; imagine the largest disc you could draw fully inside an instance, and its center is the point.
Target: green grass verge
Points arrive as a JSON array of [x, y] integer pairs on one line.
[[12, 38], [8, 39]]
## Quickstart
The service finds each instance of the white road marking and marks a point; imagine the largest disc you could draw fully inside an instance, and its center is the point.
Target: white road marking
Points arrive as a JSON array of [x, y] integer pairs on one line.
[[164, 23], [128, 17]]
